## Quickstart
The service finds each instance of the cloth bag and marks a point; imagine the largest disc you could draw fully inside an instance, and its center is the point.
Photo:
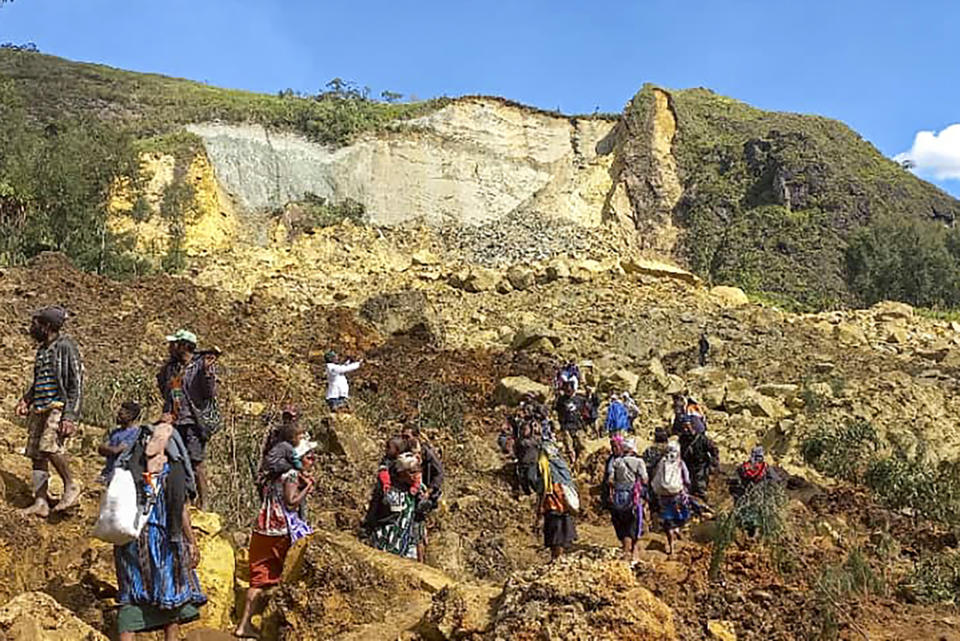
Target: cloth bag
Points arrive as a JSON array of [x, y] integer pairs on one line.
[[121, 520]]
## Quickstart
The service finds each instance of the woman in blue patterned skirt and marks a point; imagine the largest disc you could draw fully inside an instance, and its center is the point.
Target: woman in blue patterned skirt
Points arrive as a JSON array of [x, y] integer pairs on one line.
[[156, 573]]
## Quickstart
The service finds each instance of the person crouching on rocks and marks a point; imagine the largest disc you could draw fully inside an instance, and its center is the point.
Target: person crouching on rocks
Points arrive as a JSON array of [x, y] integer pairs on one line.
[[52, 408], [285, 483]]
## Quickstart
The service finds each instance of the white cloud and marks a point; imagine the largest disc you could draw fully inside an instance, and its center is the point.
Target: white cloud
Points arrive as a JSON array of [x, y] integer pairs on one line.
[[936, 154]]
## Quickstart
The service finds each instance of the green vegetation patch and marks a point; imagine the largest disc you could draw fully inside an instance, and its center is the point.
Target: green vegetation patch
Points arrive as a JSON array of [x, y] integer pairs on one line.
[[771, 201], [151, 104]]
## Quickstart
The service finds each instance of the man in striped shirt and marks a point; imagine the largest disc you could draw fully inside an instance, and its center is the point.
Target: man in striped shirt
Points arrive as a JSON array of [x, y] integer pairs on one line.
[[52, 408]]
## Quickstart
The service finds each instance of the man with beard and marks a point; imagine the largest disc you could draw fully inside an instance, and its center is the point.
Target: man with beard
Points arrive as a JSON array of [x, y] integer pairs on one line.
[[52, 408], [188, 386]]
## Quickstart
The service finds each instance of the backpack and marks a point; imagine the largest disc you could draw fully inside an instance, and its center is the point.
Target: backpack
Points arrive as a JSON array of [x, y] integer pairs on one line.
[[668, 480], [121, 519], [624, 494]]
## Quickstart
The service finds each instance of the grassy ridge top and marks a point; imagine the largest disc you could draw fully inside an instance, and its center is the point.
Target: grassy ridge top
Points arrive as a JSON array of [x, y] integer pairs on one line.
[[775, 201], [151, 104]]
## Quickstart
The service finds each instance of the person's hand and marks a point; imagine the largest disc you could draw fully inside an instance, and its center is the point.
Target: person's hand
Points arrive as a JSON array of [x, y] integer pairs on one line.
[[23, 408], [425, 493], [194, 555], [67, 428]]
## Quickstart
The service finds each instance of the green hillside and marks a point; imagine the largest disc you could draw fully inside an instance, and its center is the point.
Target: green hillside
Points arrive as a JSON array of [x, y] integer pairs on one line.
[[801, 207], [149, 104]]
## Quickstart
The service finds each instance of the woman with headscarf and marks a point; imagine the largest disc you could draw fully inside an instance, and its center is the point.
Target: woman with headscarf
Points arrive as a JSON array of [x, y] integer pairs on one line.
[[671, 482], [389, 524], [284, 482], [624, 481], [158, 587], [556, 489]]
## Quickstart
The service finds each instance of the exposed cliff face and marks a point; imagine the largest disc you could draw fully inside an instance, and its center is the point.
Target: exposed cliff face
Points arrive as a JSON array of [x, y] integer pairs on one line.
[[473, 161]]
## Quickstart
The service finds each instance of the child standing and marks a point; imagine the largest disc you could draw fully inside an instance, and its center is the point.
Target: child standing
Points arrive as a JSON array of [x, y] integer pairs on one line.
[[119, 439]]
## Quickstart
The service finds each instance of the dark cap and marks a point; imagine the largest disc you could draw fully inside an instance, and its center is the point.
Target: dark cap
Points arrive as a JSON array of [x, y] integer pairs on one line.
[[54, 316], [133, 408], [290, 410]]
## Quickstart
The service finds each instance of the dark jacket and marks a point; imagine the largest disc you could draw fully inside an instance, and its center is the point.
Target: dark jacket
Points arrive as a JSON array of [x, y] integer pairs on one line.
[[431, 469], [199, 386], [68, 367]]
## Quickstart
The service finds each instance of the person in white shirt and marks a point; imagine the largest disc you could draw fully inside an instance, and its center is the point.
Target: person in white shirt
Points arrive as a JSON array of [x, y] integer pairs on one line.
[[338, 389]]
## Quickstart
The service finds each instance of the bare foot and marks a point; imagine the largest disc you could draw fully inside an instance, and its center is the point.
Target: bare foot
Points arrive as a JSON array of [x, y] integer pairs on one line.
[[71, 497], [39, 508]]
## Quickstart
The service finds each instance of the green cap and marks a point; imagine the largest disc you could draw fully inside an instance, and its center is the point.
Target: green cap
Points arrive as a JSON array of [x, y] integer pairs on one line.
[[330, 356], [183, 335]]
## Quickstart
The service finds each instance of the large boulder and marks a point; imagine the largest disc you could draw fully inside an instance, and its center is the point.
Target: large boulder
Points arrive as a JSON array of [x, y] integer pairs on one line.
[[406, 312], [512, 388], [849, 334], [534, 338], [892, 310], [481, 279], [217, 568], [622, 380], [579, 598], [36, 616], [457, 612], [345, 435], [729, 296]]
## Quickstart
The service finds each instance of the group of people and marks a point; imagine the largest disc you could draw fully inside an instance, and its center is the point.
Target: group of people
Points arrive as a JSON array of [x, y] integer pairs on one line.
[[670, 478], [158, 583], [156, 572]]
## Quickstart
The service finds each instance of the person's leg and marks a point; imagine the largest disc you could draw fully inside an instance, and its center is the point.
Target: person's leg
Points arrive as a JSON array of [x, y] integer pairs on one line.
[[627, 543], [171, 632], [128, 636], [253, 605], [200, 472], [40, 478], [71, 490], [669, 539], [556, 552]]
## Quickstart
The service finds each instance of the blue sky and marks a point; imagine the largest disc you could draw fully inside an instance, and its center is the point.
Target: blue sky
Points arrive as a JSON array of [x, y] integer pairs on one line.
[[888, 69]]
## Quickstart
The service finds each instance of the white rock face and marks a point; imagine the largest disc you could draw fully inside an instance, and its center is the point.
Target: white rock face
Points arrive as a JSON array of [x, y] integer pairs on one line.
[[472, 161]]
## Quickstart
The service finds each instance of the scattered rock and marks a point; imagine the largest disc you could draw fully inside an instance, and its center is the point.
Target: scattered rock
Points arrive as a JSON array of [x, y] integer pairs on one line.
[[658, 269], [785, 391], [579, 598], [512, 388], [849, 334], [721, 630], [425, 258], [36, 616], [557, 269], [521, 277]]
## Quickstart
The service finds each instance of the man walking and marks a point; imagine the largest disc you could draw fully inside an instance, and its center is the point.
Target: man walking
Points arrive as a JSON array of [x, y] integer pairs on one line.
[[188, 386], [52, 408]]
